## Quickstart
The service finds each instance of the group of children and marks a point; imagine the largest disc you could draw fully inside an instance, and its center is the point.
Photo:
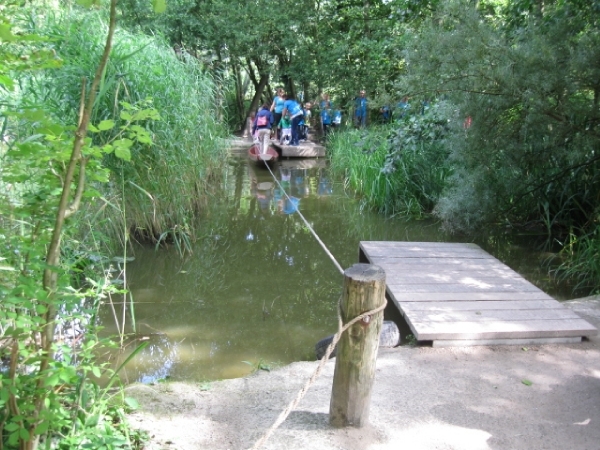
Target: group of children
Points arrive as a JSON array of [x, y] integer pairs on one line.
[[288, 121], [330, 117], [285, 120], [283, 132]]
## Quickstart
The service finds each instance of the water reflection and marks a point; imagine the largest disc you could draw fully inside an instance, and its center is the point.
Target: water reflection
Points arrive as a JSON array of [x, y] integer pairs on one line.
[[258, 288]]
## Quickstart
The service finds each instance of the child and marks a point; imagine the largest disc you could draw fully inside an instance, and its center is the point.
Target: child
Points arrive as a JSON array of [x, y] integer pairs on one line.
[[337, 118], [286, 130]]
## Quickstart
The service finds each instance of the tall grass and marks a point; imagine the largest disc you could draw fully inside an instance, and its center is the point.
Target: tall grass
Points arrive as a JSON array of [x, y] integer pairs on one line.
[[166, 184], [582, 263], [409, 185]]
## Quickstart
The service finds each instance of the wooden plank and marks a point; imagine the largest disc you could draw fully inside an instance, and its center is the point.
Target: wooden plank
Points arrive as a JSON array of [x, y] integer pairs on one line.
[[441, 263], [507, 305], [466, 296], [486, 315], [445, 274], [457, 294], [464, 279], [529, 341], [430, 331], [428, 253], [455, 287], [403, 244], [304, 150]]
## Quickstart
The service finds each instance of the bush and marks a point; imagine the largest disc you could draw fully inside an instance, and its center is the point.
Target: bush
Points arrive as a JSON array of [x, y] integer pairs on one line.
[[399, 168]]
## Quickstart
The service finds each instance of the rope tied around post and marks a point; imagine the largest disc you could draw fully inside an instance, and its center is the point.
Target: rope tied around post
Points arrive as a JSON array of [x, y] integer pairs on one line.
[[364, 317], [341, 329]]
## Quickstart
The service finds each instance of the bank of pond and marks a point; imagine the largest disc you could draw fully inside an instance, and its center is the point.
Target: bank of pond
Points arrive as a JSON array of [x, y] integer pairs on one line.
[[257, 290]]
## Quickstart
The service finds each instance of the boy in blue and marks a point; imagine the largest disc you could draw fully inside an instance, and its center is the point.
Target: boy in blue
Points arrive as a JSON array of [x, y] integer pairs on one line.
[[360, 110], [293, 108], [326, 114], [386, 114]]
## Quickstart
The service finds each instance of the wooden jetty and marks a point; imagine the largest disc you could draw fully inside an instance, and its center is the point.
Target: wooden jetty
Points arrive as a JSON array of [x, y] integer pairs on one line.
[[306, 149], [455, 294]]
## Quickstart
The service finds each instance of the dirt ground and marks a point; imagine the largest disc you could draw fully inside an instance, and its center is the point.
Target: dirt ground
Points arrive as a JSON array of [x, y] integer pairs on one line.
[[475, 398]]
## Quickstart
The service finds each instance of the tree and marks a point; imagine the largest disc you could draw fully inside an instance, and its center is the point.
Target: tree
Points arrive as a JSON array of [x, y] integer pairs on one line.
[[531, 89]]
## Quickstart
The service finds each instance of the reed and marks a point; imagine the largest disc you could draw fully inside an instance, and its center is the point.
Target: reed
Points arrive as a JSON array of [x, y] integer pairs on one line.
[[582, 262], [170, 181], [409, 185]]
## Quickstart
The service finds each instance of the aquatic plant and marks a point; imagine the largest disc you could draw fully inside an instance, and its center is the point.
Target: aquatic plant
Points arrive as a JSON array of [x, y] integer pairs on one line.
[[400, 168]]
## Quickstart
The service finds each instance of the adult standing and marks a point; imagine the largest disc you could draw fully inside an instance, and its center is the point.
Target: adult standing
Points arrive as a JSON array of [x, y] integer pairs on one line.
[[262, 127], [360, 110], [277, 109], [293, 108]]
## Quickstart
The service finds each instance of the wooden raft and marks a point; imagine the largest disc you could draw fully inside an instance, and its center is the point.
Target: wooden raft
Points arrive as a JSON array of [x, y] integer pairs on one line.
[[306, 149], [457, 295]]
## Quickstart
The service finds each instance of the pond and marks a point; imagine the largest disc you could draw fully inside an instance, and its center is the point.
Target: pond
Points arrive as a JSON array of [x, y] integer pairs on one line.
[[258, 291]]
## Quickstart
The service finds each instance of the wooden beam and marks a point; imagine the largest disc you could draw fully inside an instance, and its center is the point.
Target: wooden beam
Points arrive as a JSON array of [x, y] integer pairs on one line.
[[364, 290]]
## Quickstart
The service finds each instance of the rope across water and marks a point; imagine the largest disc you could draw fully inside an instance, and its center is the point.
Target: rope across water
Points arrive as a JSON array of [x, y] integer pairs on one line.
[[337, 265], [341, 329]]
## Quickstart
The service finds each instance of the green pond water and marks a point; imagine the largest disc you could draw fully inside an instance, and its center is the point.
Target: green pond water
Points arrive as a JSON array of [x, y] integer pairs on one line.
[[258, 289]]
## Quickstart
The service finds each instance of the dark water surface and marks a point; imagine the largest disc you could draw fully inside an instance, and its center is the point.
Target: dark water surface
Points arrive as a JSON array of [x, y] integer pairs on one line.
[[258, 289]]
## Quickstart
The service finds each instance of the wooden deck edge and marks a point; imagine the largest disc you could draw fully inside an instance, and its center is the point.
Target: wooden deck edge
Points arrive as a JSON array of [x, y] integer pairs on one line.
[[584, 330], [532, 341], [304, 150]]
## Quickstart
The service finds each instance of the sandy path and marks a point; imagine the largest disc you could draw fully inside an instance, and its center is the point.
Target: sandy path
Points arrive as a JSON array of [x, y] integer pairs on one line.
[[423, 398]]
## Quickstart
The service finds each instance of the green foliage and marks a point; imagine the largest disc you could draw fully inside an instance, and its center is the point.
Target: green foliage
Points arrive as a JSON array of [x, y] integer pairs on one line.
[[526, 79], [400, 168], [359, 157], [338, 46], [529, 155], [411, 340], [582, 261], [49, 388], [74, 404], [167, 181]]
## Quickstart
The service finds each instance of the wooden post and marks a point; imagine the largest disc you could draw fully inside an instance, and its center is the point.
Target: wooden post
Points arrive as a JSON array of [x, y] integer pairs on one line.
[[364, 290]]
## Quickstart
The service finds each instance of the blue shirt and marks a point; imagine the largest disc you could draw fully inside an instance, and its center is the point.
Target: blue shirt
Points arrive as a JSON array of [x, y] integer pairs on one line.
[[402, 108], [262, 113], [292, 106], [337, 117], [385, 112], [278, 104], [360, 106], [326, 107]]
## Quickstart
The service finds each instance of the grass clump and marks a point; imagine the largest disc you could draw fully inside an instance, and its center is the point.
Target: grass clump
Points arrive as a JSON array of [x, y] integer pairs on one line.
[[400, 168]]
